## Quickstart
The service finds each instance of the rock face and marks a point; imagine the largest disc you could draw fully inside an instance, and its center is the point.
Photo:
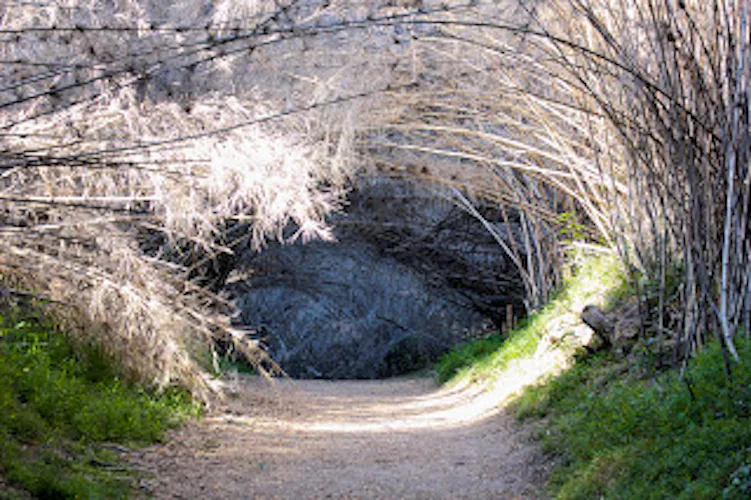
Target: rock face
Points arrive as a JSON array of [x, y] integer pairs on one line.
[[342, 311], [410, 276]]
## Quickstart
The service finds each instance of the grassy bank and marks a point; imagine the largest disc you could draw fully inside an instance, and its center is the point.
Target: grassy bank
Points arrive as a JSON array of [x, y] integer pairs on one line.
[[591, 281], [620, 436], [64, 413], [618, 429]]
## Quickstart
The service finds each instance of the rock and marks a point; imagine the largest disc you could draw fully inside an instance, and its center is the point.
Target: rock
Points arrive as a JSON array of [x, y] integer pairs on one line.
[[620, 328], [599, 323], [627, 325], [409, 275], [341, 310]]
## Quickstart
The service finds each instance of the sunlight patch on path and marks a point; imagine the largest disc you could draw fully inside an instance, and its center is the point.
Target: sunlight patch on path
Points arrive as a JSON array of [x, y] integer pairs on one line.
[[461, 405]]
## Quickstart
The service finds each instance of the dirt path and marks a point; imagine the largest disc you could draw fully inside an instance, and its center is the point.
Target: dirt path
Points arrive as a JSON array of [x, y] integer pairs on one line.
[[401, 438]]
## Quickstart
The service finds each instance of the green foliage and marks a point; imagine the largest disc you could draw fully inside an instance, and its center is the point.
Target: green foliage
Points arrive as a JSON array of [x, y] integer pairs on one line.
[[229, 364], [617, 435], [56, 407], [621, 437], [218, 365], [739, 483], [484, 358]]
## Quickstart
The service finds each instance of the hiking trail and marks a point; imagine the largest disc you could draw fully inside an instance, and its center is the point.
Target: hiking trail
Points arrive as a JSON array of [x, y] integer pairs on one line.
[[393, 438]]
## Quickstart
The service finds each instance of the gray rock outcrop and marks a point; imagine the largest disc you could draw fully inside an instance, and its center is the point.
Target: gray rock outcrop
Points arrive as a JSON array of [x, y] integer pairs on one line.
[[410, 276]]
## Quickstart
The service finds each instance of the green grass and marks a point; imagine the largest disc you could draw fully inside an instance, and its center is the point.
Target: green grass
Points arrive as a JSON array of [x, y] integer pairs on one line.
[[621, 437], [595, 281], [228, 364], [57, 408], [481, 359]]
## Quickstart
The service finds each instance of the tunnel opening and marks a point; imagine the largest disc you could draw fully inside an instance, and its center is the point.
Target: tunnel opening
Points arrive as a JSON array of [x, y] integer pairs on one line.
[[409, 276]]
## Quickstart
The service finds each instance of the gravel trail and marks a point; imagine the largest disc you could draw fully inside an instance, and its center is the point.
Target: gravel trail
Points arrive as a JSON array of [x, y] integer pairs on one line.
[[398, 438]]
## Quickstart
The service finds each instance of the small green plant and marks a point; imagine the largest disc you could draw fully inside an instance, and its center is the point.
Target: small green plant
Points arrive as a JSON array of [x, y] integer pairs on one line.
[[58, 404], [570, 228], [218, 363], [739, 483], [616, 434], [229, 364], [465, 356]]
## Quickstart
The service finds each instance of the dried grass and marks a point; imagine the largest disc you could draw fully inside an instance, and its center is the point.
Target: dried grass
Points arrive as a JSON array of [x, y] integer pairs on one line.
[[633, 116], [128, 129], [118, 177]]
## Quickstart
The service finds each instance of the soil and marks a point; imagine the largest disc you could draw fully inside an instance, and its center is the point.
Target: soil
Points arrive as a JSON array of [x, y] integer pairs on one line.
[[396, 438]]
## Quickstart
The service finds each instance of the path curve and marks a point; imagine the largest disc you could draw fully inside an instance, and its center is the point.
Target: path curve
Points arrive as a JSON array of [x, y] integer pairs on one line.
[[398, 438]]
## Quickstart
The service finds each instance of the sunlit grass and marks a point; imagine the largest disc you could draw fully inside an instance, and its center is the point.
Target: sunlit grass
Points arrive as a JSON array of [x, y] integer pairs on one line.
[[621, 436], [589, 281], [615, 432]]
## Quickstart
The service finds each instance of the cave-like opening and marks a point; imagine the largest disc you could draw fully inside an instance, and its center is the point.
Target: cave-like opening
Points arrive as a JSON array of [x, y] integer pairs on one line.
[[409, 276]]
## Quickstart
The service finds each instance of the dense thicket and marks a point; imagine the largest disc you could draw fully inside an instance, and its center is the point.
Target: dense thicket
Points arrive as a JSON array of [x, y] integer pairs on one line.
[[139, 141], [670, 81], [632, 118]]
